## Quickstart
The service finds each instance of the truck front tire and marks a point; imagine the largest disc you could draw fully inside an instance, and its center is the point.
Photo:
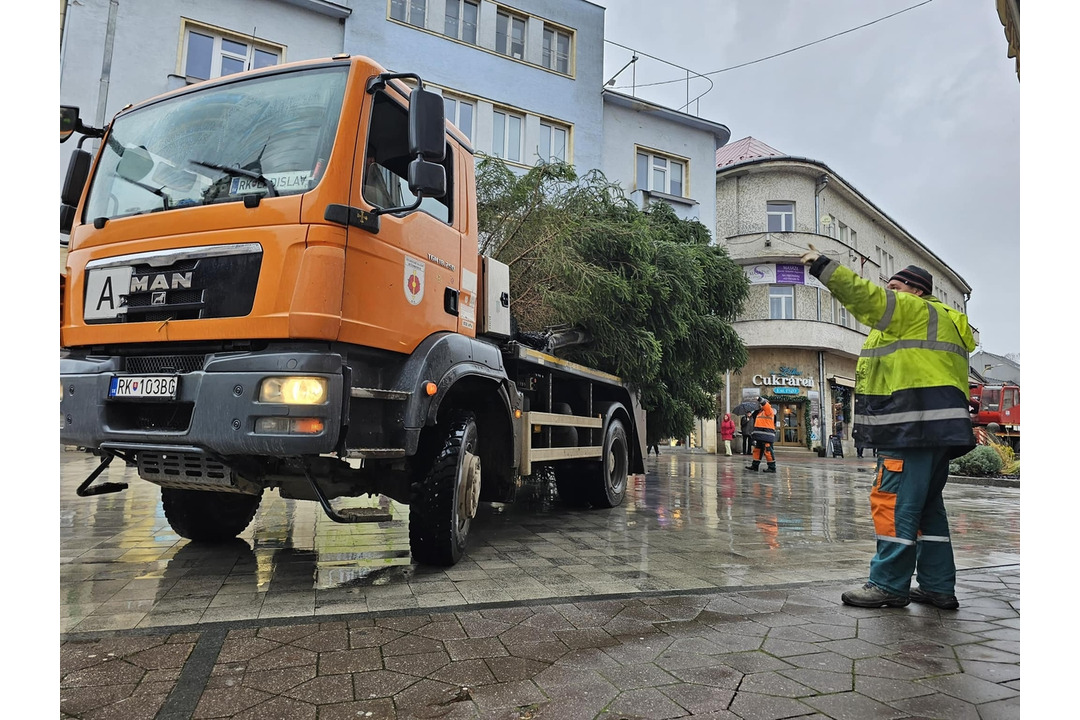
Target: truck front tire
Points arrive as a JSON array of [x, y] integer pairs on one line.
[[208, 516], [444, 502]]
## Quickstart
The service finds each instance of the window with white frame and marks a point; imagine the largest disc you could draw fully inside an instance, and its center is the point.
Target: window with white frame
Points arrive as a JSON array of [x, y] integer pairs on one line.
[[209, 53], [781, 302], [460, 112], [556, 55], [660, 173], [507, 135], [885, 263], [842, 232], [553, 142], [410, 11], [510, 35], [841, 315], [780, 216], [461, 17], [852, 237]]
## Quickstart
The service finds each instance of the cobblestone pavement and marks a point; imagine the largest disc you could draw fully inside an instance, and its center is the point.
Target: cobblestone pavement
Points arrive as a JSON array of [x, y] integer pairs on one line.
[[711, 592]]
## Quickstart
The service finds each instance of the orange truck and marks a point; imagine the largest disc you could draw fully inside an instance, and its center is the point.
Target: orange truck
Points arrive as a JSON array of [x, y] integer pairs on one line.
[[273, 282]]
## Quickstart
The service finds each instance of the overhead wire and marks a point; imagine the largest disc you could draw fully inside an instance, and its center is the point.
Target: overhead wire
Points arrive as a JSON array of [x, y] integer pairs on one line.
[[785, 52]]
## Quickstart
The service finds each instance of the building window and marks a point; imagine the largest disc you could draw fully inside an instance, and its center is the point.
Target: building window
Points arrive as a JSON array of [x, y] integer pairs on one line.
[[780, 216], [209, 54], [853, 237], [552, 146], [658, 173], [841, 316], [781, 302], [410, 11], [886, 264], [510, 35], [461, 113], [556, 50], [506, 140], [461, 19]]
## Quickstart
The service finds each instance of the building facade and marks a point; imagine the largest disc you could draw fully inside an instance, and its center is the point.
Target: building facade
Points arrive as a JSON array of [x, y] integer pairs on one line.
[[802, 343]]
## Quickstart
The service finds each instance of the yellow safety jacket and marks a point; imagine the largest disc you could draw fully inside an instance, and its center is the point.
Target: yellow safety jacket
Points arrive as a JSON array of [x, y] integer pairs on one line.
[[911, 379]]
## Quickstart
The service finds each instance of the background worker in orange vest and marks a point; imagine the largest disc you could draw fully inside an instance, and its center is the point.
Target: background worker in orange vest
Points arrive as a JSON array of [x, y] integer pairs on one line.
[[764, 435]]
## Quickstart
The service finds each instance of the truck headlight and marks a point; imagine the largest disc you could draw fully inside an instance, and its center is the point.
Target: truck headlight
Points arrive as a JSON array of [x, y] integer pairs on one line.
[[293, 390]]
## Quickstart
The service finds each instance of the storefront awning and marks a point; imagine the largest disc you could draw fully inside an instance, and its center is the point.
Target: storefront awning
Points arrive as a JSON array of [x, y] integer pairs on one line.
[[841, 380]]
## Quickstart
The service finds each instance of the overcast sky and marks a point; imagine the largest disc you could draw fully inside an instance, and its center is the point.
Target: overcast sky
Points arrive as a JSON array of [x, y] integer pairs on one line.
[[920, 112]]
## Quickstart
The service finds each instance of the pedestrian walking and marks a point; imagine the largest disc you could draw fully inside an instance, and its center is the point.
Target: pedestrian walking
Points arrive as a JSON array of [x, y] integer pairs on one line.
[[764, 435], [653, 448], [744, 430], [912, 383], [727, 432]]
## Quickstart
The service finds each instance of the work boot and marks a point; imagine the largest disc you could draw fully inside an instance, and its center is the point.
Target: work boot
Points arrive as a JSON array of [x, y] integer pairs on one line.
[[871, 596], [771, 468], [753, 466], [938, 600]]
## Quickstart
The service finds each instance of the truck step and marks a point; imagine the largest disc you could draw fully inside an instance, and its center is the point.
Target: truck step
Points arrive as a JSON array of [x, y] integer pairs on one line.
[[379, 394], [365, 514], [376, 453]]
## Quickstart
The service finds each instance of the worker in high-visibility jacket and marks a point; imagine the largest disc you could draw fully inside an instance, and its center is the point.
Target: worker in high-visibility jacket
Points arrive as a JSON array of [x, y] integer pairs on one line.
[[763, 436], [911, 403]]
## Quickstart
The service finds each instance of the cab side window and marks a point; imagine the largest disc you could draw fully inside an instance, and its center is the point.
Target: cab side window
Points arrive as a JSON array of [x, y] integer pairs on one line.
[[386, 163]]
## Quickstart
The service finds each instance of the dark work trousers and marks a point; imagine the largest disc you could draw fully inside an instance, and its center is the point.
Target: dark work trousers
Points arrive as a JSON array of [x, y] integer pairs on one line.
[[910, 521]]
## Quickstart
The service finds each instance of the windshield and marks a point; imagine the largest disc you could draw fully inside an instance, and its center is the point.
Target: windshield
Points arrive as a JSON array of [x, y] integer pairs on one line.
[[269, 136]]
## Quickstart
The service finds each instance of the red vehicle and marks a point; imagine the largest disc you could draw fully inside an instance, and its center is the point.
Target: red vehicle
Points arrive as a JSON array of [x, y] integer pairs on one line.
[[998, 403]]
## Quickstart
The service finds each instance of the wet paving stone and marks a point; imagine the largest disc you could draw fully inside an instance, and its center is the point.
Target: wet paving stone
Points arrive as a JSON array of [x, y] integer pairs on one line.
[[691, 646]]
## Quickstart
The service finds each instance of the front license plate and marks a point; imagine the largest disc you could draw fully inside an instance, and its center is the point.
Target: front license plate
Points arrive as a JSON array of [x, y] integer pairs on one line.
[[144, 386]]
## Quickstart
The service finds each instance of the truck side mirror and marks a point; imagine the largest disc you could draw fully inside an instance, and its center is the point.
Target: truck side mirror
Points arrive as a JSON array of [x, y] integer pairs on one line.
[[427, 126], [69, 121], [427, 179], [77, 172]]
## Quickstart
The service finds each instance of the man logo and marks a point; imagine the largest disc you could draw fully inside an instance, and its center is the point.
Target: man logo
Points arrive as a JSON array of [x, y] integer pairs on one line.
[[157, 298]]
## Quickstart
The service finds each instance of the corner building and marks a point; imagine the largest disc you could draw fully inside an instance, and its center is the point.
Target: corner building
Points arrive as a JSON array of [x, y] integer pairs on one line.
[[802, 344]]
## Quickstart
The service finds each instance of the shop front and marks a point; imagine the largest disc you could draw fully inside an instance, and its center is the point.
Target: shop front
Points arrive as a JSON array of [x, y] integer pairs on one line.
[[811, 391]]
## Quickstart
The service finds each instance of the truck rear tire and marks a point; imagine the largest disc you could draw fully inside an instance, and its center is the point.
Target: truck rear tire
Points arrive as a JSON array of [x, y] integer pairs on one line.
[[608, 486], [444, 502], [208, 516]]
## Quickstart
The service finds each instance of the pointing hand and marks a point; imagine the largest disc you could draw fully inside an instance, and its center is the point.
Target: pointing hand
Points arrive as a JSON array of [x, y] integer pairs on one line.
[[810, 256]]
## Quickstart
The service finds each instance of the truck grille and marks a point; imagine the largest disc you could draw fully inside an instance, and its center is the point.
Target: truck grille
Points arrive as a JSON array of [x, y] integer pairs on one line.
[[149, 364], [218, 286]]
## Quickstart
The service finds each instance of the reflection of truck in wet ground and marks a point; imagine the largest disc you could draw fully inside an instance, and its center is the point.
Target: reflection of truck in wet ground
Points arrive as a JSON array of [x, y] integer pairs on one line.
[[997, 403], [273, 283]]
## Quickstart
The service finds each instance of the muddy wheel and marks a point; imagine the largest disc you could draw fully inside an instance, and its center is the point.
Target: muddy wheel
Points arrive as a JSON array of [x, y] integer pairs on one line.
[[607, 488], [444, 503], [207, 516]]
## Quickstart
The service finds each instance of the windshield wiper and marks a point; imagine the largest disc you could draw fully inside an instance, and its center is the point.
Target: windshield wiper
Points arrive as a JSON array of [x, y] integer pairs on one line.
[[271, 191], [150, 189]]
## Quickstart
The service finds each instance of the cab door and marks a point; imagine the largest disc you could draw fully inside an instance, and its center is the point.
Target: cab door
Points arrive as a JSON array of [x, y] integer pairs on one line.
[[402, 268]]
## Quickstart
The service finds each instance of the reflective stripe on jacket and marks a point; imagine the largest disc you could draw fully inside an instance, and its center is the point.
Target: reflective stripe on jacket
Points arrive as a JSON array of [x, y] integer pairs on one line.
[[765, 417], [911, 380]]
